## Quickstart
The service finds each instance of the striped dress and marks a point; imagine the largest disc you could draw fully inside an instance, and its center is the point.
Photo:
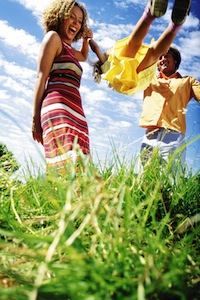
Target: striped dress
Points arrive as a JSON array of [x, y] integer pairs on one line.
[[65, 129]]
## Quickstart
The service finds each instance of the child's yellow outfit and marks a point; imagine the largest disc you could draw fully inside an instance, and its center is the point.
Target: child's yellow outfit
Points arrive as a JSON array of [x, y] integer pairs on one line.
[[121, 73]]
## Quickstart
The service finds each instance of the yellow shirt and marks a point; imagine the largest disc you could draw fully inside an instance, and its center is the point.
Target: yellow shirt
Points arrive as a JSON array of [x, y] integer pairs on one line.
[[165, 101]]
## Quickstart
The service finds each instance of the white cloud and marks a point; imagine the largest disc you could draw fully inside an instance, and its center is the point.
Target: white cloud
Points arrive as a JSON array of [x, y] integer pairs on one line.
[[36, 6], [13, 37], [126, 3], [124, 124], [107, 34], [97, 97], [190, 42], [16, 71], [13, 85], [126, 108]]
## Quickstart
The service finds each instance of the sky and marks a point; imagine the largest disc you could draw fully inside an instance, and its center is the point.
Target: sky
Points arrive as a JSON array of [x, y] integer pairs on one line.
[[113, 118]]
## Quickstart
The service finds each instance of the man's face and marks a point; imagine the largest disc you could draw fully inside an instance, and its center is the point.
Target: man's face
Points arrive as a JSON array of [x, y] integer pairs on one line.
[[167, 64]]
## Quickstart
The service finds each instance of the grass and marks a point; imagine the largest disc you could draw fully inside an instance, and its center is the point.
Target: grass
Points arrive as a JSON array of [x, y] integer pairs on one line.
[[101, 235]]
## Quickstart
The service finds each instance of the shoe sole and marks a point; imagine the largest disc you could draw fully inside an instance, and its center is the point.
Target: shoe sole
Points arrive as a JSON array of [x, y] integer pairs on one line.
[[158, 8], [180, 11]]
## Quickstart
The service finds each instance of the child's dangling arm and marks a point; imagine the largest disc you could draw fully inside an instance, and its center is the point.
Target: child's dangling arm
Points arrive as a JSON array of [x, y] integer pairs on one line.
[[96, 49]]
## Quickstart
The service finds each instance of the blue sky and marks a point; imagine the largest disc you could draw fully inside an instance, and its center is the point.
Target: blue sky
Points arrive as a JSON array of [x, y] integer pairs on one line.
[[113, 118]]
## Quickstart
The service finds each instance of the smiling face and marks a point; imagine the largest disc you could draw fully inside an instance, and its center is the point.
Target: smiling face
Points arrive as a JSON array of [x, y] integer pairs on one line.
[[167, 64], [70, 27]]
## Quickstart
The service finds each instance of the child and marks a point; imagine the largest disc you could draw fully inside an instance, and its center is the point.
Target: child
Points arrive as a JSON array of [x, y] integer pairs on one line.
[[130, 66]]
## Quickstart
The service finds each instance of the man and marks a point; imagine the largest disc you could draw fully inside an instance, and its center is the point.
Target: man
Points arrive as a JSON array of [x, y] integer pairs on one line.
[[164, 108]]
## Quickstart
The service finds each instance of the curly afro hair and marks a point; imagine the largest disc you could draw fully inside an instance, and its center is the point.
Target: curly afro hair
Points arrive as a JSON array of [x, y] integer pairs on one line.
[[58, 11]]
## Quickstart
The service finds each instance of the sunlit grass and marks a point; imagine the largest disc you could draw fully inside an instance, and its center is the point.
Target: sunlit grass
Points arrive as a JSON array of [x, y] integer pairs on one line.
[[101, 234]]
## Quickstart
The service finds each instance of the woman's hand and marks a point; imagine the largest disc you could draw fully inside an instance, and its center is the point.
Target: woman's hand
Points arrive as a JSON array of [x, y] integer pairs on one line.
[[88, 34], [37, 130]]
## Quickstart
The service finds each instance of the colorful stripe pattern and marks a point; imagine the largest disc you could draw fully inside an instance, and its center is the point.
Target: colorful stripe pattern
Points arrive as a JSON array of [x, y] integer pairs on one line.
[[62, 117]]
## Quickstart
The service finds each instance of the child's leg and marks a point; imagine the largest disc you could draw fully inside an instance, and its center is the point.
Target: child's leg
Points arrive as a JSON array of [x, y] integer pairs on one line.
[[155, 8], [180, 11]]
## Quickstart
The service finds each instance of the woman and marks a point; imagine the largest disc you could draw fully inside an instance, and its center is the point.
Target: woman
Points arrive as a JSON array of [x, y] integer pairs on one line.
[[59, 121]]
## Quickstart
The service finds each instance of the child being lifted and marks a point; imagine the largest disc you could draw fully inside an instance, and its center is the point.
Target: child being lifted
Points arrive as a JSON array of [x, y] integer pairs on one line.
[[130, 66]]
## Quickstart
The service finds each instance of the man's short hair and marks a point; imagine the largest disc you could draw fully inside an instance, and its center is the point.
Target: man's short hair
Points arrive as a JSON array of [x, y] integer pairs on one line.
[[176, 55]]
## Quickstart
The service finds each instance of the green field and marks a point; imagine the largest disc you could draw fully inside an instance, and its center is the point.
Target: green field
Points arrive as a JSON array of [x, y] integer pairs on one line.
[[101, 234]]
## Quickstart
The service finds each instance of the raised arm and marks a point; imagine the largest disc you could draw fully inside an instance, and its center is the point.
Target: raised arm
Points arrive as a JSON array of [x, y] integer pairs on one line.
[[82, 54]]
